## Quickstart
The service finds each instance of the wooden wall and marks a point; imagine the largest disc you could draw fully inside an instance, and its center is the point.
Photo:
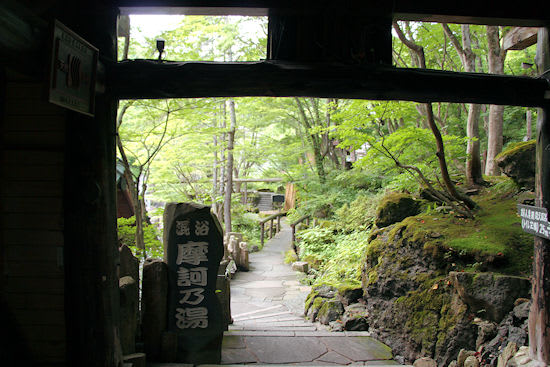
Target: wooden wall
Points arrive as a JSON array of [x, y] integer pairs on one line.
[[31, 211]]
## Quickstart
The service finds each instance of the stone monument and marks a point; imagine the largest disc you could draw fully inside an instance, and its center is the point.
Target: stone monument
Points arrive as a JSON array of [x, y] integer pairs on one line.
[[193, 248]]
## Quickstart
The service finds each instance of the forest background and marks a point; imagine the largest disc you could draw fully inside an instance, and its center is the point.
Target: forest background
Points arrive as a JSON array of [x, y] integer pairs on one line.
[[192, 149]]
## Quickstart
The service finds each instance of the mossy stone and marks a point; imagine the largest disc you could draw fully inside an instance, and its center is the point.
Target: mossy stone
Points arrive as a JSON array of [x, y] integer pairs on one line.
[[316, 305], [518, 163], [395, 207], [331, 310]]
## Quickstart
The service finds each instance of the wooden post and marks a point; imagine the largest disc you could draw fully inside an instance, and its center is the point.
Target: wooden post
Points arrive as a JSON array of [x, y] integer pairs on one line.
[[293, 236], [539, 316], [279, 224], [262, 233], [271, 228], [91, 247]]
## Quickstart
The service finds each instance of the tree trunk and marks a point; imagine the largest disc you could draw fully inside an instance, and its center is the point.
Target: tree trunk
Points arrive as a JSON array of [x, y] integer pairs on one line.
[[496, 113], [473, 159], [449, 186], [314, 141], [529, 125], [467, 56], [215, 172], [229, 167]]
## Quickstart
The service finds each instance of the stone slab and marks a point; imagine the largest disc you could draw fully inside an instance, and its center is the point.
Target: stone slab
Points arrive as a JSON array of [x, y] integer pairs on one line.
[[233, 342], [263, 284], [240, 356], [359, 348], [286, 350], [334, 358]]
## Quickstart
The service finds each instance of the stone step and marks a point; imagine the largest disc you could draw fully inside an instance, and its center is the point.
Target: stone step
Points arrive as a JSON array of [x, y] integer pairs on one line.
[[269, 329], [255, 317]]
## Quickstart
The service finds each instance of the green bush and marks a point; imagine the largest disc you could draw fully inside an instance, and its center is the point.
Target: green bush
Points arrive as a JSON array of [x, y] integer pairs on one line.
[[360, 213], [127, 236], [245, 222]]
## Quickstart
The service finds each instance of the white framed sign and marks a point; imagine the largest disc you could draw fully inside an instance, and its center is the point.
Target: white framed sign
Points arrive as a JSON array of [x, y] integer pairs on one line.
[[73, 71]]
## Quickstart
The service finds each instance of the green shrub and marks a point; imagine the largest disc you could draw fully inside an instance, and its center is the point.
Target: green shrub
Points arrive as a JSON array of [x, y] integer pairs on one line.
[[245, 222], [151, 236]]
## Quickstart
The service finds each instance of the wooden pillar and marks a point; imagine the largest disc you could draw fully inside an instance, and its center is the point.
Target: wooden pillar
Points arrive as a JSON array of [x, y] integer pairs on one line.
[[539, 316], [91, 249]]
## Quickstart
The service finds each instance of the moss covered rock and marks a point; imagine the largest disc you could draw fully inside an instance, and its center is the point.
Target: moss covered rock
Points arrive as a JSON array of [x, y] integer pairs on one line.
[[395, 207], [409, 300], [490, 295], [518, 163], [331, 310], [314, 308]]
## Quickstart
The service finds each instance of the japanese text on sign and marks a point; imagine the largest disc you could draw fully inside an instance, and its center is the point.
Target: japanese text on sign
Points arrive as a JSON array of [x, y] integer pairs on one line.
[[534, 220], [191, 277]]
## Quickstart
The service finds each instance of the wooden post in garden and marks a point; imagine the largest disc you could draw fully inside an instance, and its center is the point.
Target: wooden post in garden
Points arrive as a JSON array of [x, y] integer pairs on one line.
[[539, 316]]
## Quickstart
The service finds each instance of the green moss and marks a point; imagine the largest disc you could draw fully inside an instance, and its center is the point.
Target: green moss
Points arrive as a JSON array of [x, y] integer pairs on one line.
[[347, 286], [309, 300], [318, 303], [515, 148], [494, 238], [427, 315], [395, 207], [372, 277]]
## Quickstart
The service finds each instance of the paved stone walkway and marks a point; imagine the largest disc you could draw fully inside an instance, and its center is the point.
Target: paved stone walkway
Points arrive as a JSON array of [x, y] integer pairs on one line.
[[269, 328]]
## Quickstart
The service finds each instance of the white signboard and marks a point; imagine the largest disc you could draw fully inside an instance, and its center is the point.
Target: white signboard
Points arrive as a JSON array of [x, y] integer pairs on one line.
[[534, 220], [73, 71]]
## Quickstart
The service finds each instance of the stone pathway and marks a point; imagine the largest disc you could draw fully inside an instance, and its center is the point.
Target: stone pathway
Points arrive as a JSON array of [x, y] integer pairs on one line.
[[269, 328]]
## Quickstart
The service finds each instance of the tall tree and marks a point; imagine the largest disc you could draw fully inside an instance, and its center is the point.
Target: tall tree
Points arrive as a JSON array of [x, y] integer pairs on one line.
[[229, 166], [468, 58], [143, 144], [496, 56], [418, 51]]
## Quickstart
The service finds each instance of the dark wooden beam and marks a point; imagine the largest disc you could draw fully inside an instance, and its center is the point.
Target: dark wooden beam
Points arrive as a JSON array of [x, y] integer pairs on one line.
[[23, 36], [340, 32], [467, 11], [139, 79]]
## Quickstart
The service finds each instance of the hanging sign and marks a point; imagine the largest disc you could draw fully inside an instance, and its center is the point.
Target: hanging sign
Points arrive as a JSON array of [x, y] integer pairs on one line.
[[73, 71], [534, 220]]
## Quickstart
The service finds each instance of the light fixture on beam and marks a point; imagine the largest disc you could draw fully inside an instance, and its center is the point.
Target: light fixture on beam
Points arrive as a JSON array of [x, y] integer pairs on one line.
[[160, 47]]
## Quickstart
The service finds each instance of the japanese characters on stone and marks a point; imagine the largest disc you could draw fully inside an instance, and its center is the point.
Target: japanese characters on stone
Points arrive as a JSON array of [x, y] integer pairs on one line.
[[192, 270]]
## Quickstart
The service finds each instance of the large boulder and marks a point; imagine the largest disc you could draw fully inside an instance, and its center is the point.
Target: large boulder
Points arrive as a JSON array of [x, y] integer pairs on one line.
[[395, 207], [411, 305], [518, 163], [490, 295]]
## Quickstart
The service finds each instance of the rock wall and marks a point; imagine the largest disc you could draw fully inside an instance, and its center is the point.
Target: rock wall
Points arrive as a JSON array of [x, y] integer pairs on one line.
[[420, 309]]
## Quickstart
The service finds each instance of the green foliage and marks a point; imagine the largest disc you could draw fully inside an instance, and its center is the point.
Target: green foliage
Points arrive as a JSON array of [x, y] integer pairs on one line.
[[127, 232], [245, 222], [318, 242], [360, 213], [412, 147]]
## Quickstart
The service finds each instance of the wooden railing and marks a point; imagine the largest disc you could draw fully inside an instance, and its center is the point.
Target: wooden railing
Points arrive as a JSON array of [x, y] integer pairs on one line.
[[272, 229], [293, 226]]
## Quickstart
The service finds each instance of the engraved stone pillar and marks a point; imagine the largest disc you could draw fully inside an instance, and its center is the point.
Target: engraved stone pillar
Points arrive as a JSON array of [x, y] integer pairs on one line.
[[193, 247]]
